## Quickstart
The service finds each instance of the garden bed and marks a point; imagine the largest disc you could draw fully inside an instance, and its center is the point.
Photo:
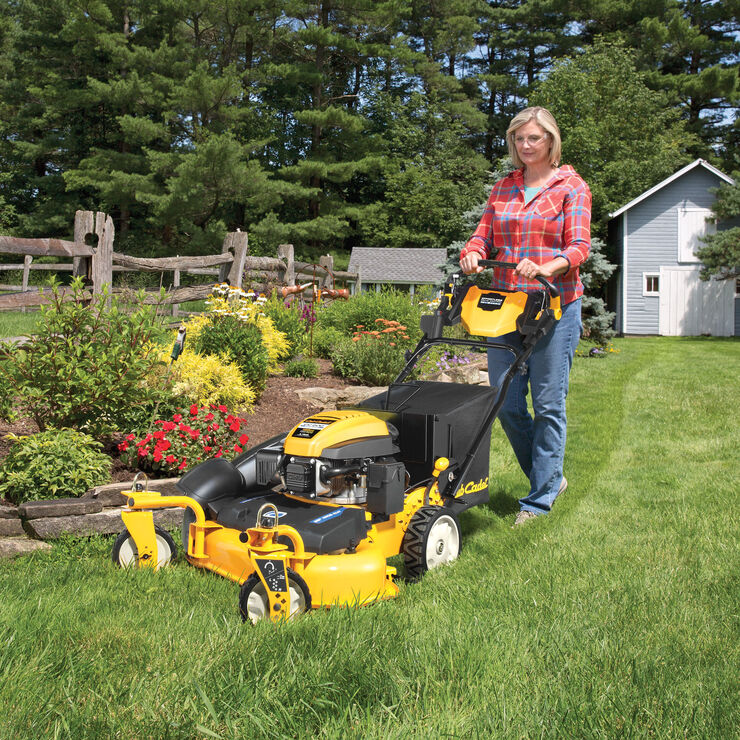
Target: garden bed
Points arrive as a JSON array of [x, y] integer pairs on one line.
[[278, 409]]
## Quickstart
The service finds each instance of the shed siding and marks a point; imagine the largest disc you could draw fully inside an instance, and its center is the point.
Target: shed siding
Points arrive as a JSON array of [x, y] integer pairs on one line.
[[652, 237], [737, 316]]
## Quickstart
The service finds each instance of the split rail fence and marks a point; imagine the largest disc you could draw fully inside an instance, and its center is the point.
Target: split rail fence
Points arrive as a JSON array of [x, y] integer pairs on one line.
[[93, 258]]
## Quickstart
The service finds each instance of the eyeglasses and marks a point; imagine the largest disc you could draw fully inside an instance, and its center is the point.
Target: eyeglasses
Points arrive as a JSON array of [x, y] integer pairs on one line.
[[531, 140]]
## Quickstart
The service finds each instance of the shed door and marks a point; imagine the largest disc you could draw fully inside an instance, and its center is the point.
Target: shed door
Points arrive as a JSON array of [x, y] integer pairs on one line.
[[690, 307]]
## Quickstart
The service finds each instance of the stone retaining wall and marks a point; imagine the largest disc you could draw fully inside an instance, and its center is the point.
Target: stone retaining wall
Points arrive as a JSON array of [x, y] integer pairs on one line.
[[26, 528]]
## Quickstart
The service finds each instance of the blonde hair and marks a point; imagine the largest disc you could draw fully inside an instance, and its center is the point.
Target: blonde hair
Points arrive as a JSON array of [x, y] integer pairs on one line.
[[543, 118]]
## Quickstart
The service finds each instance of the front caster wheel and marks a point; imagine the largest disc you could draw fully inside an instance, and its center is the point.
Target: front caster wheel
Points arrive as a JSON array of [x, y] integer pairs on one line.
[[254, 604], [126, 554], [432, 539]]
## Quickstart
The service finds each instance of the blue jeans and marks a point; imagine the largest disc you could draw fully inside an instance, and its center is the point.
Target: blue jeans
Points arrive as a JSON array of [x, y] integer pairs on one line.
[[539, 443]]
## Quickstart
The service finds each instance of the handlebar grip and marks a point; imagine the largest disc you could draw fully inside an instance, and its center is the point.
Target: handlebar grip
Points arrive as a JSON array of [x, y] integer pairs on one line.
[[551, 289]]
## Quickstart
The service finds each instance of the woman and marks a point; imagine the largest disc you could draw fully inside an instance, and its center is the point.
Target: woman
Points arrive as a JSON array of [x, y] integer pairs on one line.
[[538, 216]]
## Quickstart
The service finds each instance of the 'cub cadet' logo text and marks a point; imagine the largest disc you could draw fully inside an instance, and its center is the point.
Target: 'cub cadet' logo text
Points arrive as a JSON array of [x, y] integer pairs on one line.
[[472, 487]]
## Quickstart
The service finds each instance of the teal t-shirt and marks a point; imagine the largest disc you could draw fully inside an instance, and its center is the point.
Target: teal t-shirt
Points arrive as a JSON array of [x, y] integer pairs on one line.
[[529, 193]]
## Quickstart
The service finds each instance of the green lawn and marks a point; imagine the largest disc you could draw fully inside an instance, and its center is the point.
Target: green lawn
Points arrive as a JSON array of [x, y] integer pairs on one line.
[[17, 323], [615, 616]]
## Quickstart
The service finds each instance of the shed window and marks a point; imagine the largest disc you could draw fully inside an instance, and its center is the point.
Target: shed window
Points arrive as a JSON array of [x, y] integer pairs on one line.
[[692, 225], [650, 284]]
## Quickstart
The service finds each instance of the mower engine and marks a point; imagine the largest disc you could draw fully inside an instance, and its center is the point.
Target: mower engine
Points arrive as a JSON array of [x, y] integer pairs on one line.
[[346, 457]]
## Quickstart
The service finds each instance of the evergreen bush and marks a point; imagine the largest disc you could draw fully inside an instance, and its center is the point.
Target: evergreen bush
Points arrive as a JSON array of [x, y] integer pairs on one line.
[[287, 319], [239, 341]]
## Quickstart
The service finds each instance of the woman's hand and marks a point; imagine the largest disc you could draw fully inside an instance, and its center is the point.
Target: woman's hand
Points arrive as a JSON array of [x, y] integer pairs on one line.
[[528, 269], [469, 263]]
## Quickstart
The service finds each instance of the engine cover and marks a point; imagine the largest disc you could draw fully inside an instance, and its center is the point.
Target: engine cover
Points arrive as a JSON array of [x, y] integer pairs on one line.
[[340, 435]]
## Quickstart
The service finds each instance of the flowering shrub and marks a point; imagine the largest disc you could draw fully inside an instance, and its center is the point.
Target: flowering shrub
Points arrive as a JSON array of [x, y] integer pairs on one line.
[[436, 362], [394, 330], [374, 354], [365, 308], [250, 308], [179, 444]]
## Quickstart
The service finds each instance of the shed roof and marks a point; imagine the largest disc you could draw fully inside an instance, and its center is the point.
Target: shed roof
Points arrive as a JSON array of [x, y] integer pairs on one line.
[[398, 265], [668, 180]]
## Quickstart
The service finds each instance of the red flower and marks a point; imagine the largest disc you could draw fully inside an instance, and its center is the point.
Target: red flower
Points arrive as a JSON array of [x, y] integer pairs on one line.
[[177, 417], [238, 449], [170, 459], [222, 409], [235, 426], [219, 453], [130, 437], [209, 416], [182, 465], [193, 410], [168, 426], [243, 439], [215, 427], [157, 455], [123, 447]]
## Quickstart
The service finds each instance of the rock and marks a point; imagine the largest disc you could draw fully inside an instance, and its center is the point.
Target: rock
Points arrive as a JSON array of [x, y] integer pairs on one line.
[[337, 398], [104, 522], [110, 495], [58, 507], [169, 518], [10, 548], [11, 528], [8, 512]]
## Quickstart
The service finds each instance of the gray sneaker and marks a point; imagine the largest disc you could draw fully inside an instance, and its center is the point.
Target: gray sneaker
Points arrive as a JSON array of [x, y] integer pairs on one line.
[[524, 516]]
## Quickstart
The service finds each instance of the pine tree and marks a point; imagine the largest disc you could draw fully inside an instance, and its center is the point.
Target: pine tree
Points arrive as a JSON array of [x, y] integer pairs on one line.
[[721, 251]]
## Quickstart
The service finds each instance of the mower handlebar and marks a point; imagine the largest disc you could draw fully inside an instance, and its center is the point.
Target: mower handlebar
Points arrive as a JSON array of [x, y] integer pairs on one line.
[[552, 290]]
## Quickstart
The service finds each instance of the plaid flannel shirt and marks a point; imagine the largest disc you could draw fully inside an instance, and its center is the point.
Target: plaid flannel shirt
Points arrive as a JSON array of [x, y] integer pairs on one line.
[[555, 223]]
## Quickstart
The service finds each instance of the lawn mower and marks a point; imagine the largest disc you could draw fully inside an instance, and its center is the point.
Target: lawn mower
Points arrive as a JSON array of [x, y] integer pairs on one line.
[[309, 518]]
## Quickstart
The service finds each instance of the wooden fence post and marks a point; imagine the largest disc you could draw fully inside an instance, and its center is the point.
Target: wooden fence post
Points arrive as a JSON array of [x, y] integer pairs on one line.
[[286, 252], [236, 242], [101, 263], [84, 225], [26, 269], [327, 261], [175, 286]]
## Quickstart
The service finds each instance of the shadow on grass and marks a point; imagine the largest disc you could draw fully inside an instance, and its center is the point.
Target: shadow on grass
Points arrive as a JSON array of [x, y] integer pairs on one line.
[[502, 504]]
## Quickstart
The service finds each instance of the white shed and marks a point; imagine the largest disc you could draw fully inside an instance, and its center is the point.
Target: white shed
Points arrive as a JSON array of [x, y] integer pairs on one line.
[[655, 235]]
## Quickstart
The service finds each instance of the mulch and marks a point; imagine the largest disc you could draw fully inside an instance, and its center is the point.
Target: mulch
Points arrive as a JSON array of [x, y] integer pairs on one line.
[[278, 410]]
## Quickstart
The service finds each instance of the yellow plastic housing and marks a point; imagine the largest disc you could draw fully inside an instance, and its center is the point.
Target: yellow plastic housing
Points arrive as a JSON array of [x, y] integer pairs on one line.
[[491, 313], [312, 435]]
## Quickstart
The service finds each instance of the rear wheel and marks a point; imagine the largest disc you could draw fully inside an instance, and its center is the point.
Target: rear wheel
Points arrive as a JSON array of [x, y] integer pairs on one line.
[[125, 553], [254, 604], [432, 539]]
